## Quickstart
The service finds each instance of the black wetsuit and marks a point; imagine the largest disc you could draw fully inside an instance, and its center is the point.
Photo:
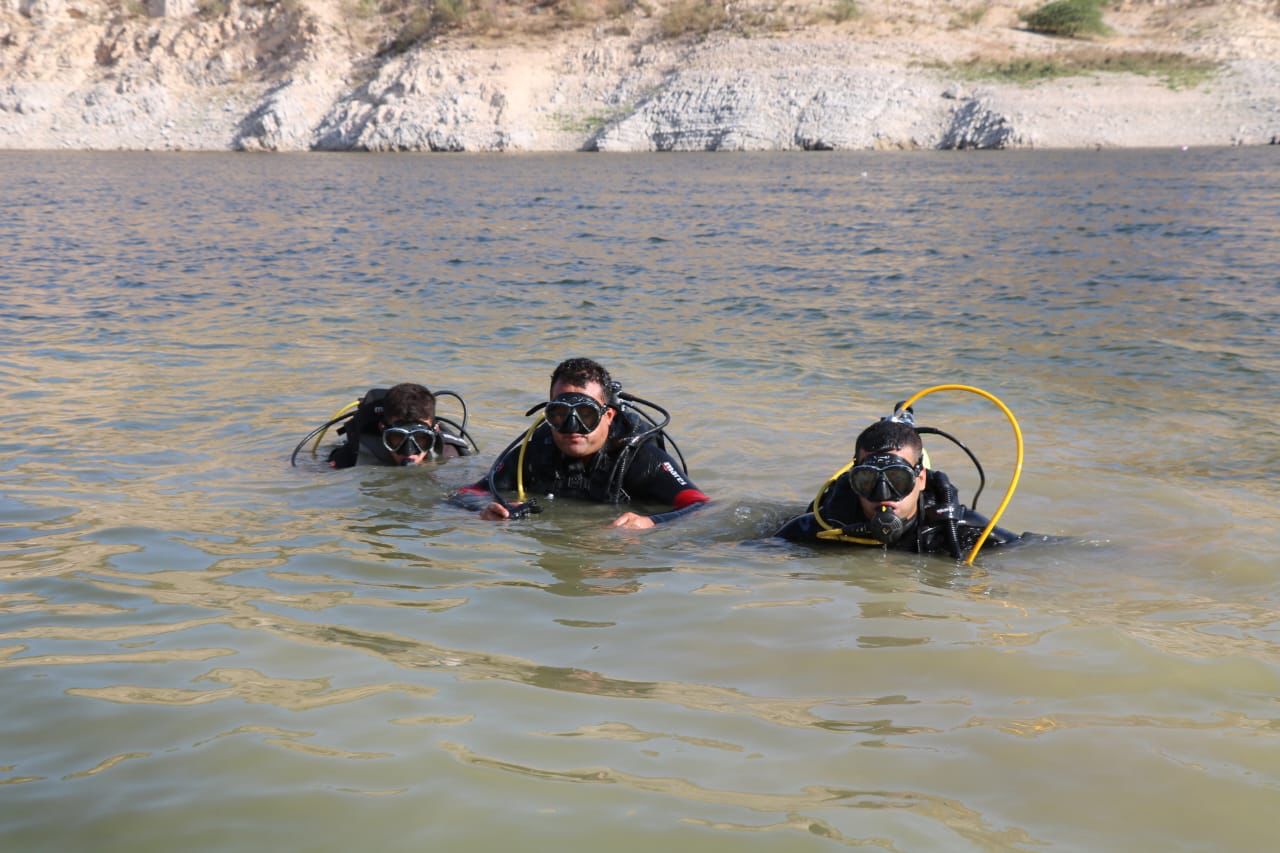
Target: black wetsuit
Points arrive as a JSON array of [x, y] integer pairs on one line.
[[652, 476], [926, 533]]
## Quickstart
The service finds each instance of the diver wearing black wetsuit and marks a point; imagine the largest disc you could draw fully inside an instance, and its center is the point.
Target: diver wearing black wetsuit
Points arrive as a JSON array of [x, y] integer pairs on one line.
[[925, 532], [398, 426], [887, 498], [651, 477], [593, 443]]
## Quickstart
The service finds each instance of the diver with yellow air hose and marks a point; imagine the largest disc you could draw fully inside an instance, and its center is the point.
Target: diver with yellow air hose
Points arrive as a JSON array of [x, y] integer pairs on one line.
[[889, 497], [393, 426], [590, 441]]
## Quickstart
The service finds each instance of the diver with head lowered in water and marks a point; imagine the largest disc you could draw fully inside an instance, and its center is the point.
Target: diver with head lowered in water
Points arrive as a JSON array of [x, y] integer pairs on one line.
[[888, 497], [592, 441], [394, 426]]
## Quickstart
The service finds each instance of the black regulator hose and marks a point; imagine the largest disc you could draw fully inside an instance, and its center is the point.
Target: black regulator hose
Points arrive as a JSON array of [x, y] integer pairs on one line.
[[293, 457], [947, 508], [982, 475]]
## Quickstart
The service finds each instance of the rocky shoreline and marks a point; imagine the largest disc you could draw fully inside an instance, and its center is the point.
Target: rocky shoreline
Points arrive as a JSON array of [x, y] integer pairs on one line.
[[291, 76]]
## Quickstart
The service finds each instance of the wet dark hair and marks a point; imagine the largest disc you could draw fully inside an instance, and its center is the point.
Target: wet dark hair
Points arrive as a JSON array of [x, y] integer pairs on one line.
[[407, 402], [580, 371], [888, 436]]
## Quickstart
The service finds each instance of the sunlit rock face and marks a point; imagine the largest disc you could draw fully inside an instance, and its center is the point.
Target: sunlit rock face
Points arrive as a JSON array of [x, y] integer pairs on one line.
[[302, 75]]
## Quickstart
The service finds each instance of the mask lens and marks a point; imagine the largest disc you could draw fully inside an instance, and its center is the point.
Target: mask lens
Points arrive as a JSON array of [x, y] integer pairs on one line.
[[901, 480], [864, 480], [557, 414], [588, 416], [394, 439]]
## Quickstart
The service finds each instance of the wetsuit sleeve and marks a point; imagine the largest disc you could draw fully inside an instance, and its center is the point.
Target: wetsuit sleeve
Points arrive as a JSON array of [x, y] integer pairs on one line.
[[477, 496], [802, 528], [839, 508], [654, 476], [342, 456]]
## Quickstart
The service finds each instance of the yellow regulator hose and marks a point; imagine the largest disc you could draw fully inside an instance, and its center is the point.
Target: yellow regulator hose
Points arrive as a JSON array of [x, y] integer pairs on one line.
[[1017, 470], [352, 406], [524, 445]]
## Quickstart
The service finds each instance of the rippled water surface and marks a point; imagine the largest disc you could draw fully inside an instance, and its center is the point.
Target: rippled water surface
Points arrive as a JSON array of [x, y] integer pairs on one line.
[[204, 648]]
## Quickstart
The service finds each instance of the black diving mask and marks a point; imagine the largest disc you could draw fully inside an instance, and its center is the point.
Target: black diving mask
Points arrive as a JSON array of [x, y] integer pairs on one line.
[[884, 477], [574, 413], [409, 439]]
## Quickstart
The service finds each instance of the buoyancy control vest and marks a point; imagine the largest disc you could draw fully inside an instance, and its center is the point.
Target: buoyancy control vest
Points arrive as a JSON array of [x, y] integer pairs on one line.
[[601, 479]]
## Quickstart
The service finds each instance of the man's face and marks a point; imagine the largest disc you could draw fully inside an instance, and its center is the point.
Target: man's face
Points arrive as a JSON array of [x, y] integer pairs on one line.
[[421, 442], [576, 445], [904, 507]]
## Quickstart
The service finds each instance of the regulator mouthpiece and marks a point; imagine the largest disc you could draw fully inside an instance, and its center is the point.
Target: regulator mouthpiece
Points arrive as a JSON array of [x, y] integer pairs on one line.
[[887, 527]]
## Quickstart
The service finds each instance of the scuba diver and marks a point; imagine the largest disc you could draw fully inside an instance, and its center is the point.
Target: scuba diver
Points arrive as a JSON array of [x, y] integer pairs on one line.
[[888, 497], [395, 426], [591, 441]]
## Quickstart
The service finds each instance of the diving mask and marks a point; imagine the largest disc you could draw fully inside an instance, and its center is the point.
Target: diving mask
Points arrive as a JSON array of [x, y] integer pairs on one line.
[[409, 439], [574, 413], [884, 477]]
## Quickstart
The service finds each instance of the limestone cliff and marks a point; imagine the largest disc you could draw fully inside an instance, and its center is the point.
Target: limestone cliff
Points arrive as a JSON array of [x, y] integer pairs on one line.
[[616, 75]]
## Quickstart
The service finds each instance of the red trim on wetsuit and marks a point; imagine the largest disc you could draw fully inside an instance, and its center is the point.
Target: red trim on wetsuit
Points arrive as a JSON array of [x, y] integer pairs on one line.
[[474, 497], [688, 497]]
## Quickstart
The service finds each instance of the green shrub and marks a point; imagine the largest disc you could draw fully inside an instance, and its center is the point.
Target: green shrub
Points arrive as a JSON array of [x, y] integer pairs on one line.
[[427, 18], [845, 10], [447, 14], [967, 18], [691, 17], [576, 11], [1069, 18], [416, 27]]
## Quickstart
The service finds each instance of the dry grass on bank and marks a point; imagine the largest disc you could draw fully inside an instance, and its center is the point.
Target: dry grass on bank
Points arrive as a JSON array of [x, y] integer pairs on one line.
[[396, 25], [1163, 26], [403, 23], [1175, 70]]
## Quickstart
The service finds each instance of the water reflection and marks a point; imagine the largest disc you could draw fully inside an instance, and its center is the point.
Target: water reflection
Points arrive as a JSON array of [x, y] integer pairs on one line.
[[955, 816], [180, 604], [248, 686]]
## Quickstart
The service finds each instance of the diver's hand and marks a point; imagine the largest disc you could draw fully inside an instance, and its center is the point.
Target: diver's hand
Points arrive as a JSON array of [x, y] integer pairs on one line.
[[494, 512], [632, 521]]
